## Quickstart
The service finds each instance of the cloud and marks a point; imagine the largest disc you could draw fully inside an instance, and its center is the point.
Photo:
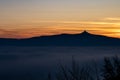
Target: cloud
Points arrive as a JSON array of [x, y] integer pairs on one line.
[[82, 22], [9, 33], [112, 19]]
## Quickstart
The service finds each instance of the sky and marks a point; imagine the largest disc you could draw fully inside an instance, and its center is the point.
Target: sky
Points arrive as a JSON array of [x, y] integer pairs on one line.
[[29, 18]]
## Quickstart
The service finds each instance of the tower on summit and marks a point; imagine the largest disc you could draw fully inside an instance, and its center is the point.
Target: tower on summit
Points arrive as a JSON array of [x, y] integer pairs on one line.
[[85, 32]]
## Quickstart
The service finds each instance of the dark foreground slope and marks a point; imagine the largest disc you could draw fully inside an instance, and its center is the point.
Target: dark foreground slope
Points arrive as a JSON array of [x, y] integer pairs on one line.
[[82, 39]]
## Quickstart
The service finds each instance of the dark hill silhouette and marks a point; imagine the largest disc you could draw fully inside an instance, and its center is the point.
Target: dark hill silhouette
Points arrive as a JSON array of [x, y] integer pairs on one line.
[[82, 39]]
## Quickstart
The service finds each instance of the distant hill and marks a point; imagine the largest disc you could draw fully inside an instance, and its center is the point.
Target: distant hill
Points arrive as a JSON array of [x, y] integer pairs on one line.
[[82, 39]]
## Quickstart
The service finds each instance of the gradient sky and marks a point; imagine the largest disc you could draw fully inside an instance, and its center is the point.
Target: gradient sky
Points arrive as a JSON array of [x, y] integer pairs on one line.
[[28, 18]]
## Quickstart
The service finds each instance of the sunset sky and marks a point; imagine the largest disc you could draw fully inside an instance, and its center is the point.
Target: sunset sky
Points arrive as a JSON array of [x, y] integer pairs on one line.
[[28, 18]]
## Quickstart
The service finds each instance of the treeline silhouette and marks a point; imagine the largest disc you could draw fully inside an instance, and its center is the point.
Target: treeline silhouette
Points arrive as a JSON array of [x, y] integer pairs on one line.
[[110, 70]]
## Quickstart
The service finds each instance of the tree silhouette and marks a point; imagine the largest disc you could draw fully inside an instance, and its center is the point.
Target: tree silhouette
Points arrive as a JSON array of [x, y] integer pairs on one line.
[[111, 69], [116, 63], [74, 72]]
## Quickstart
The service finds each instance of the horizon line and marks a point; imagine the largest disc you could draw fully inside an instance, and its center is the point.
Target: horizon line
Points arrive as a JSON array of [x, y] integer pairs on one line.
[[49, 35]]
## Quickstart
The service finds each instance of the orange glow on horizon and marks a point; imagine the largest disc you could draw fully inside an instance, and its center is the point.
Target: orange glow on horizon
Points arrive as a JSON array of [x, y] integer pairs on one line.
[[41, 28], [66, 27], [30, 18]]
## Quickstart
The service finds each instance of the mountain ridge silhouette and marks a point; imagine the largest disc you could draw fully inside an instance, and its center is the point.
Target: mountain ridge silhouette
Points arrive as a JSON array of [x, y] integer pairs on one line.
[[83, 39]]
